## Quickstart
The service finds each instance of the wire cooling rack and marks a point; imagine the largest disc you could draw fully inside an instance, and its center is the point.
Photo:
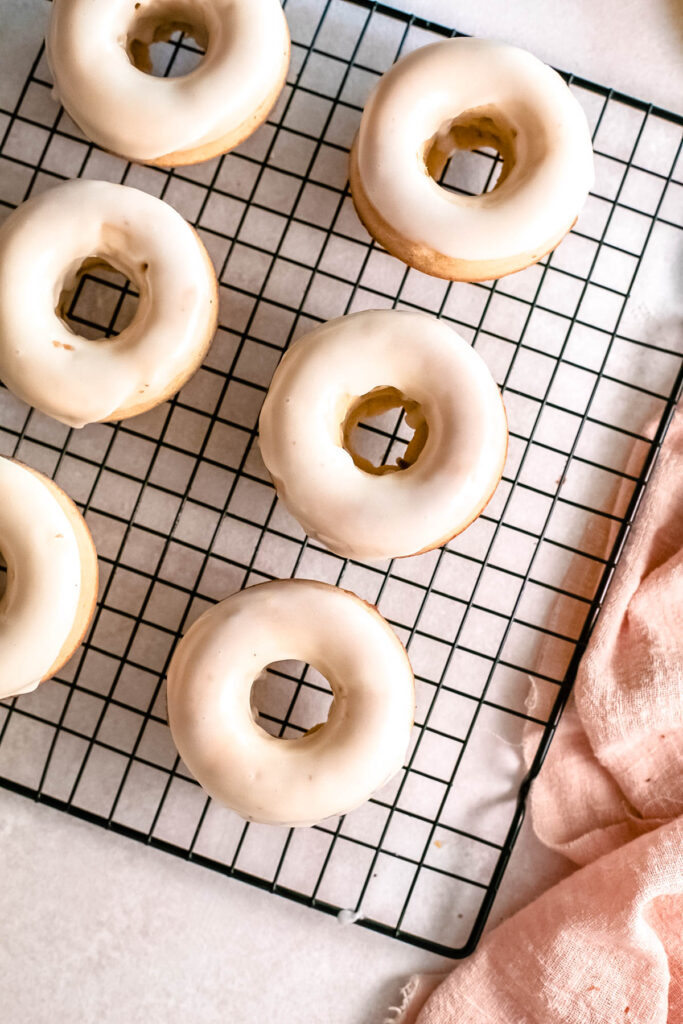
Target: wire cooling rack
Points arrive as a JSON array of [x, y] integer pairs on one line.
[[183, 513]]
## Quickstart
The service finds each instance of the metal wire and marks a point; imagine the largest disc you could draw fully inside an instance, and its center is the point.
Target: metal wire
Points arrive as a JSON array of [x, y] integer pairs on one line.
[[183, 513]]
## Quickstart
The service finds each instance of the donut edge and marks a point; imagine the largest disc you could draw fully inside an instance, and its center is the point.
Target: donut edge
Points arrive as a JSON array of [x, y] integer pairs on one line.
[[203, 343], [427, 260], [485, 501], [229, 141], [89, 570]]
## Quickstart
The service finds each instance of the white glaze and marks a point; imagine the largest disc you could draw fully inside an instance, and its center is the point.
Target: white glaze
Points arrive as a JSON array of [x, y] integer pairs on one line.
[[325, 772], [421, 95], [144, 117], [43, 244], [351, 511], [39, 606]]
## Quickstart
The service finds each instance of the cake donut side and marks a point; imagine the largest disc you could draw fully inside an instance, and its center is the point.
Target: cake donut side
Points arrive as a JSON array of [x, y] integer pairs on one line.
[[464, 94], [337, 764], [98, 52], [45, 245], [51, 584]]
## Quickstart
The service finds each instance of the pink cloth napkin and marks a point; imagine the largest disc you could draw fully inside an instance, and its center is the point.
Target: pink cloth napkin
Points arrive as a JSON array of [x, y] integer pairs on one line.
[[606, 944]]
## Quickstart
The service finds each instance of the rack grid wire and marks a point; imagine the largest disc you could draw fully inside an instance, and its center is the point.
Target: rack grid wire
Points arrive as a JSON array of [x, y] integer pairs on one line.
[[183, 513]]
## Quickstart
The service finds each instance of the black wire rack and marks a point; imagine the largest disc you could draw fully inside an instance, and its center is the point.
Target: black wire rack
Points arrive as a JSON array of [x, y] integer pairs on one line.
[[182, 511]]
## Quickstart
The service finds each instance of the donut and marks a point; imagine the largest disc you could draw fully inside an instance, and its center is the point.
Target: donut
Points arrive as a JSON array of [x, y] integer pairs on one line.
[[45, 245], [98, 53], [333, 767], [463, 94], [51, 582], [361, 365]]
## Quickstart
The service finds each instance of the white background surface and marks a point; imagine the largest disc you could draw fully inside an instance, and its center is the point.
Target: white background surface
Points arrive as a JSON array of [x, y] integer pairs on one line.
[[95, 927]]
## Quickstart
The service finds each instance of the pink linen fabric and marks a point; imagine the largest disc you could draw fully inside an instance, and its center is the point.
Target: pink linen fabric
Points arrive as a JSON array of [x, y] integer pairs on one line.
[[606, 944]]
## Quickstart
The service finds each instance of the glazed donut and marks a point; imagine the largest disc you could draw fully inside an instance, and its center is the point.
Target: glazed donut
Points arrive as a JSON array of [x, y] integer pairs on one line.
[[44, 246], [361, 365], [333, 767], [51, 582], [462, 94], [98, 52]]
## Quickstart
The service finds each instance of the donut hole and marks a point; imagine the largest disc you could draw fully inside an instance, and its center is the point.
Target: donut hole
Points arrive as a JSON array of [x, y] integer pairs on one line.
[[3, 577], [384, 431], [473, 154], [167, 39], [290, 698], [97, 300]]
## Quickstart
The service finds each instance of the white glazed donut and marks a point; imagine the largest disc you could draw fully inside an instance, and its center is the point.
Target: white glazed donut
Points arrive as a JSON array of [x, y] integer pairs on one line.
[[43, 246], [98, 51], [51, 582], [463, 94], [335, 766], [363, 364]]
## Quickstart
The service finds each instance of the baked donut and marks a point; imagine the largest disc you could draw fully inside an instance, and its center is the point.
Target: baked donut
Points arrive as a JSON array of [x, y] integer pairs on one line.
[[462, 94], [51, 582], [45, 245], [98, 52], [333, 767], [361, 365]]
